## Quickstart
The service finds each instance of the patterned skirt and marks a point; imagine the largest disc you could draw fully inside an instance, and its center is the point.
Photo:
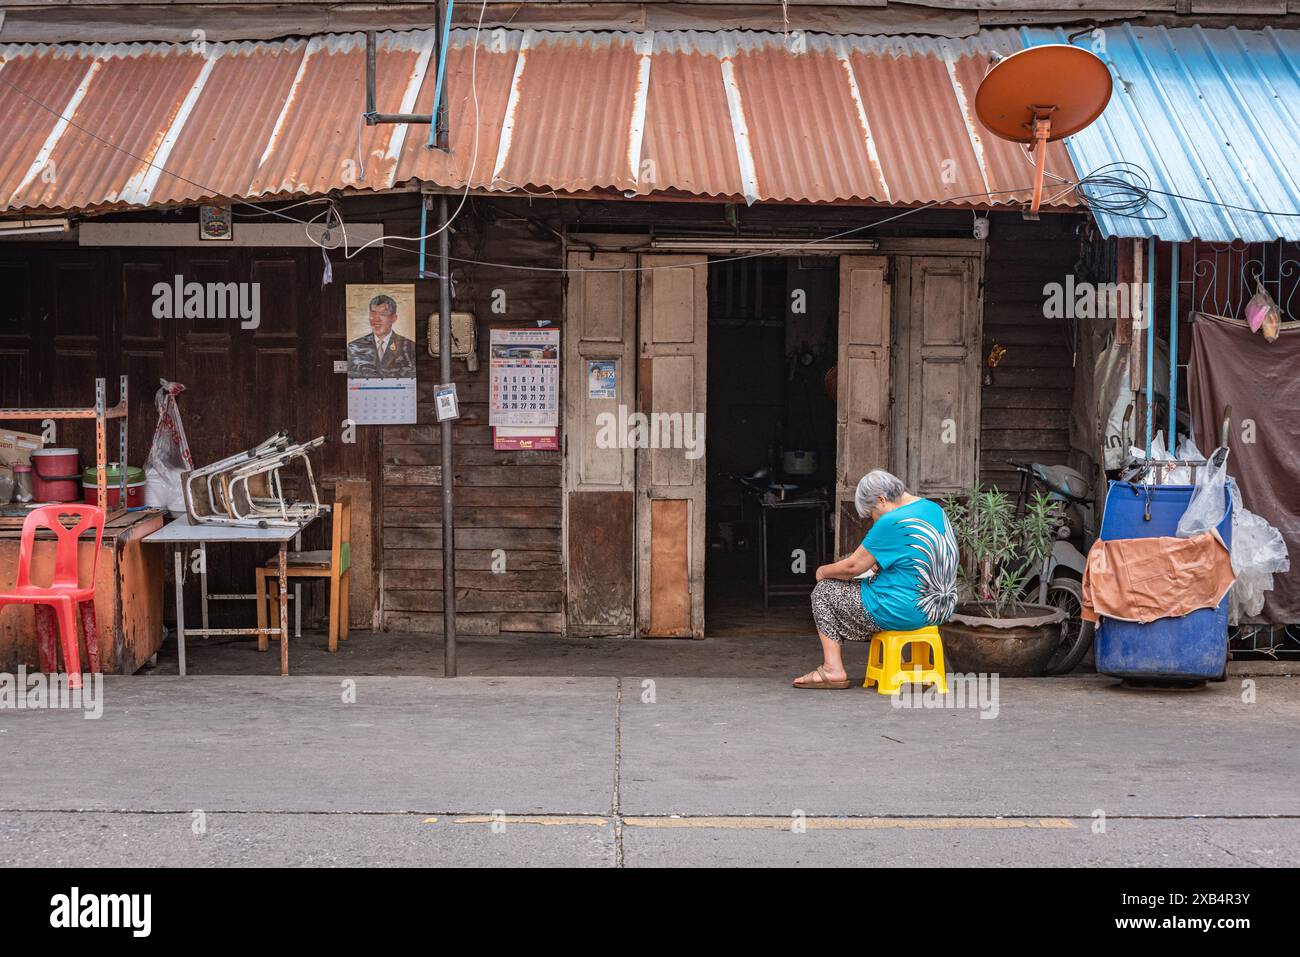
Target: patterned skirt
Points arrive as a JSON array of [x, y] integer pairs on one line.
[[838, 612]]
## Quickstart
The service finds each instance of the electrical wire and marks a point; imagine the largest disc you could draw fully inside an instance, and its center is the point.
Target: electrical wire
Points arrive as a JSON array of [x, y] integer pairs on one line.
[[1120, 189], [313, 201], [1143, 189], [774, 250]]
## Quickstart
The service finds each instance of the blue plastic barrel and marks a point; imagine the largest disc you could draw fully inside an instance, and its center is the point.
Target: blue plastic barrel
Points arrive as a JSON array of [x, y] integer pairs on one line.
[[1189, 647]]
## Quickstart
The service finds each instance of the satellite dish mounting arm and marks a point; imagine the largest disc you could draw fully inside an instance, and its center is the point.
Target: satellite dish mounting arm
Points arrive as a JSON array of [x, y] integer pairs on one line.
[[1042, 131]]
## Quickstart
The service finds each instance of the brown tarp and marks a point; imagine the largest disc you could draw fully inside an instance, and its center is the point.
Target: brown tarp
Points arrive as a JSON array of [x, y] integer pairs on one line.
[[1230, 366], [1143, 579]]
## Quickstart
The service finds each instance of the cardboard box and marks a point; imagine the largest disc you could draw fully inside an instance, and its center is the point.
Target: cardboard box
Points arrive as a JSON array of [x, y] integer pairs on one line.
[[16, 447]]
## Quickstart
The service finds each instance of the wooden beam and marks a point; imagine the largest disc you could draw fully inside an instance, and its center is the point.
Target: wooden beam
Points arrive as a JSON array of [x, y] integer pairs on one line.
[[187, 234]]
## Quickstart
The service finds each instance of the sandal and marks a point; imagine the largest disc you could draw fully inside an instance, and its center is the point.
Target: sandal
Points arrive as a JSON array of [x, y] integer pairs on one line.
[[817, 681]]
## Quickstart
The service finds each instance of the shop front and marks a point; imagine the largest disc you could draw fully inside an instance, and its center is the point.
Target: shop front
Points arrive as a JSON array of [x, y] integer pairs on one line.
[[898, 318], [741, 334]]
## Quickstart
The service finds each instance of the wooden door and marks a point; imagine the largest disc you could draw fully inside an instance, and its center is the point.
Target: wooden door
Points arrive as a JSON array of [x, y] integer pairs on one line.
[[76, 339], [938, 373], [599, 541], [670, 480], [863, 376]]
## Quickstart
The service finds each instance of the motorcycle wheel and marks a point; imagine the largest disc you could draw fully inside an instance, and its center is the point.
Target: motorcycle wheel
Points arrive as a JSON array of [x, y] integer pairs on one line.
[[1076, 634]]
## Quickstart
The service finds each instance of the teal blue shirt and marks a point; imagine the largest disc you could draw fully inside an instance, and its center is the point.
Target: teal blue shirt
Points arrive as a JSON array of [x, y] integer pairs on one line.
[[916, 584]]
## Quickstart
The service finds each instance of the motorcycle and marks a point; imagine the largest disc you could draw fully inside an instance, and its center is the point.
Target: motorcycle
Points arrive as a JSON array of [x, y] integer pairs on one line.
[[1059, 581]]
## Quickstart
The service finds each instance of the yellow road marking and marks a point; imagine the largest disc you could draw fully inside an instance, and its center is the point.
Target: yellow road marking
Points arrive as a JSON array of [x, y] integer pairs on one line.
[[545, 819], [776, 823], [849, 823]]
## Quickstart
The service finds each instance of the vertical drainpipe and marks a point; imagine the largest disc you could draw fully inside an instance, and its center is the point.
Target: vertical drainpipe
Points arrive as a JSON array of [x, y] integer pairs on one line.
[[444, 372], [1151, 337], [425, 201], [370, 74], [1173, 344], [439, 94]]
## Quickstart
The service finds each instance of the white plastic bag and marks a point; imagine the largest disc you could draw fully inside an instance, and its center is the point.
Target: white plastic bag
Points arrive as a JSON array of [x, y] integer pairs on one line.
[[1208, 505], [1115, 402], [1157, 476], [169, 455], [1258, 553], [1187, 452]]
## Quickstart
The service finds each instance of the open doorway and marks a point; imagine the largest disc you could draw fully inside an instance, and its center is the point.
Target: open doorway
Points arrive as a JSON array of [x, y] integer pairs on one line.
[[771, 433]]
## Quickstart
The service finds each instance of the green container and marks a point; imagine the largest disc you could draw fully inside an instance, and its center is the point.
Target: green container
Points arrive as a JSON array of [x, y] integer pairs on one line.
[[134, 475]]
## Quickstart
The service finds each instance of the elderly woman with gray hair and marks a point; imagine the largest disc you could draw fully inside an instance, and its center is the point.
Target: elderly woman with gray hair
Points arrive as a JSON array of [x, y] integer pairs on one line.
[[913, 552]]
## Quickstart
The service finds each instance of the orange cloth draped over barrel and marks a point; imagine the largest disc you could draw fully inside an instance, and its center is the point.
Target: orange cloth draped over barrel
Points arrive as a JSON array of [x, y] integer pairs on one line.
[[1142, 579]]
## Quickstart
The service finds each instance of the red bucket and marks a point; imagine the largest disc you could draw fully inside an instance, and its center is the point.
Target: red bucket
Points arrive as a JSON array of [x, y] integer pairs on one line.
[[56, 475]]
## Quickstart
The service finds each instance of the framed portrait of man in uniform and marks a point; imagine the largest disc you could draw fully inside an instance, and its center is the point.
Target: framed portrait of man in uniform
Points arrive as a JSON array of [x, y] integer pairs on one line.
[[381, 353]]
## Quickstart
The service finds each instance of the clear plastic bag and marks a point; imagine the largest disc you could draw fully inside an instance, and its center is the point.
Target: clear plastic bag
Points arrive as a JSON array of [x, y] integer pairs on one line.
[[1258, 553], [169, 455], [1208, 505]]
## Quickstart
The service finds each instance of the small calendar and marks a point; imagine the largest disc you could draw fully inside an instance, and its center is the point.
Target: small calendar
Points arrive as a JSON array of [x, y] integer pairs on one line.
[[525, 377], [381, 401]]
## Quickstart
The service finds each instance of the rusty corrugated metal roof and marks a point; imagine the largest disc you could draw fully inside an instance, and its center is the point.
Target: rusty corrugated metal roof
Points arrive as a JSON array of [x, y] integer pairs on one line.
[[758, 116]]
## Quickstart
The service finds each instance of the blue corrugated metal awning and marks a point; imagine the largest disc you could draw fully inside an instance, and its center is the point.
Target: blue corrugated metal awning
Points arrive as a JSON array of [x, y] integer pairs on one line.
[[1211, 115]]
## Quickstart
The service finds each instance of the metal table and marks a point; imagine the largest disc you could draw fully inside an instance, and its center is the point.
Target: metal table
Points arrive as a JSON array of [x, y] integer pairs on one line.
[[182, 532], [818, 507]]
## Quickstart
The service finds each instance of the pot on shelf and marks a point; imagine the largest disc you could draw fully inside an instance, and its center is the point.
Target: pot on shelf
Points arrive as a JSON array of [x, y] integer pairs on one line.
[[113, 479], [1017, 645], [56, 475]]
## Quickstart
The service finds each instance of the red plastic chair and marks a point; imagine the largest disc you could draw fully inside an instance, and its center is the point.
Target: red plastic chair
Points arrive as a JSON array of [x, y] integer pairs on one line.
[[64, 593]]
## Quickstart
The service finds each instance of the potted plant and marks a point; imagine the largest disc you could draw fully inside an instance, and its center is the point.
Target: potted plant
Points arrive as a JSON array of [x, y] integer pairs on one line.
[[993, 630]]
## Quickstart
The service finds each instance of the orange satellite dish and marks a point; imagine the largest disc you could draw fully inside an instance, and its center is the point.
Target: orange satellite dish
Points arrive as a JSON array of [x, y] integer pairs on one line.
[[1041, 94]]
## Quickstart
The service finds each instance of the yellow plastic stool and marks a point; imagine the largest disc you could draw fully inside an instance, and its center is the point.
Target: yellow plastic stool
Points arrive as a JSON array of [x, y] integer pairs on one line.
[[924, 666]]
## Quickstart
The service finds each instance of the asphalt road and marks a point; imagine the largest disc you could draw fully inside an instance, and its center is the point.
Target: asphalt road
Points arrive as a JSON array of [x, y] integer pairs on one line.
[[669, 771]]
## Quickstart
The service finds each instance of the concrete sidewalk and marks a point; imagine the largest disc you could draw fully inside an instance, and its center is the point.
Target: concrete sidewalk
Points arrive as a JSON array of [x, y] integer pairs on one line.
[[780, 646], [658, 770]]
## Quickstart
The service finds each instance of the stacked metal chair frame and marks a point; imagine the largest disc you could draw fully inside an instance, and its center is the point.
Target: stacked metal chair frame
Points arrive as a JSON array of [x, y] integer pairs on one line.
[[245, 489]]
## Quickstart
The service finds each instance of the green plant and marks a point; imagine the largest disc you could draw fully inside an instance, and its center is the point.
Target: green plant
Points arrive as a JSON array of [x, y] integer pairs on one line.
[[1000, 549]]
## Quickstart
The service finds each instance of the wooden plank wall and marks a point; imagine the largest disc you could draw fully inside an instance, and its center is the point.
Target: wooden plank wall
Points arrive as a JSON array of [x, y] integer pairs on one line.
[[504, 500], [71, 314], [1025, 413], [512, 500], [507, 501]]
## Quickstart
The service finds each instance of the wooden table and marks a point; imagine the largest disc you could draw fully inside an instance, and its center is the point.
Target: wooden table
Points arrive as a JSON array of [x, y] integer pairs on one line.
[[128, 593], [182, 532]]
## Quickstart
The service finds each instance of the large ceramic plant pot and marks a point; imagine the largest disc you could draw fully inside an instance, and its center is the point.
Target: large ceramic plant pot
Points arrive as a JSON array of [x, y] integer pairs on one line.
[[1020, 644]]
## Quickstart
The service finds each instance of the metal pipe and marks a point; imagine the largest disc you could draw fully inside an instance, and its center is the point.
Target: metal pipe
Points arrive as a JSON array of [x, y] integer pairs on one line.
[[439, 91], [370, 76], [1150, 317], [1173, 344], [444, 371], [371, 115], [373, 118], [424, 230]]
